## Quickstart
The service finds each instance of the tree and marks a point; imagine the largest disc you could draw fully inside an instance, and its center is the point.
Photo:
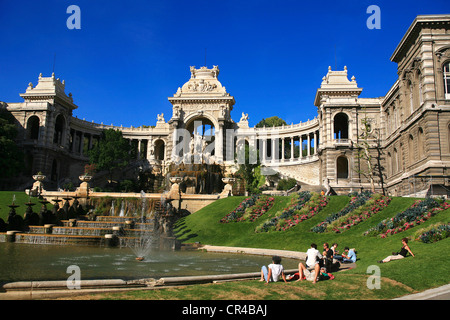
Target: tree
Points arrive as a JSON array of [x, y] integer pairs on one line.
[[11, 159], [250, 171], [271, 122], [372, 168], [112, 151]]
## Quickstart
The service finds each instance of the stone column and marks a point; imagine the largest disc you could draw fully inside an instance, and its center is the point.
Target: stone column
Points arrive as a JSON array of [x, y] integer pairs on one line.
[[315, 142], [81, 143], [282, 149], [174, 143], [139, 149], [219, 144], [275, 149], [300, 143], [264, 152]]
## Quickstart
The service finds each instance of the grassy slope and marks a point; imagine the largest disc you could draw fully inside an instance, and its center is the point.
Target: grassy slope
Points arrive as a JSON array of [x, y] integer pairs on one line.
[[6, 198], [428, 269]]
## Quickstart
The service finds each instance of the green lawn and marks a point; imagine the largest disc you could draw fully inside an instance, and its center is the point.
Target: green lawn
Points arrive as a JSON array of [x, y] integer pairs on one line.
[[6, 198]]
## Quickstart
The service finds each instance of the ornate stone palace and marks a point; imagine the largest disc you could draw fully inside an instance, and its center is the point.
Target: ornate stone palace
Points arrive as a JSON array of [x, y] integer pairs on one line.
[[406, 133]]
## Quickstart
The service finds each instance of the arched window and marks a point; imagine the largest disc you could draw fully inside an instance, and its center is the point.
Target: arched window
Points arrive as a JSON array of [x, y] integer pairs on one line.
[[446, 75], [340, 126], [342, 167], [411, 149], [411, 97], [420, 86], [395, 166], [420, 143], [389, 166], [58, 136], [159, 150], [33, 128]]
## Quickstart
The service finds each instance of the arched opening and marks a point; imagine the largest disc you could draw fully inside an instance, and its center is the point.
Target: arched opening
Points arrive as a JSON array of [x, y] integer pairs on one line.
[[342, 167], [411, 96], [395, 162], [420, 143], [341, 126], [202, 136], [33, 128], [390, 165], [58, 136], [411, 149], [159, 149]]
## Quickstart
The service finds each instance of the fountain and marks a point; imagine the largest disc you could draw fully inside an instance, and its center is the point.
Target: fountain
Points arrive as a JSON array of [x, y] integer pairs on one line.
[[15, 222], [122, 213]]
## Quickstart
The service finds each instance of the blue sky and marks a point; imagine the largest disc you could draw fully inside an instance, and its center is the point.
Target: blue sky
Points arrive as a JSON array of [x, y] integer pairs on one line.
[[129, 56]]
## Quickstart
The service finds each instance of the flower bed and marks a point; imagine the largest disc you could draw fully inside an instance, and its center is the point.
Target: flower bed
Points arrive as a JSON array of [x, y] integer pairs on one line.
[[302, 207], [261, 206], [240, 209], [418, 213], [310, 209], [357, 200], [374, 205], [433, 233]]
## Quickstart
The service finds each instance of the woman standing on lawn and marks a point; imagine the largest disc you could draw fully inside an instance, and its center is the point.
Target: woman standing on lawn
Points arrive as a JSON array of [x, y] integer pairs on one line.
[[399, 255]]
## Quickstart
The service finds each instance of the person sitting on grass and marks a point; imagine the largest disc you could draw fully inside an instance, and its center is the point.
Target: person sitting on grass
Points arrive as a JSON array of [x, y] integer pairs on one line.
[[305, 274], [348, 256], [312, 262], [273, 271], [399, 255]]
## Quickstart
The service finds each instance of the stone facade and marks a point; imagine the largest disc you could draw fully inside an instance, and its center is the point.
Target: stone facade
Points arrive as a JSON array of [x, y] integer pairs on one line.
[[406, 132]]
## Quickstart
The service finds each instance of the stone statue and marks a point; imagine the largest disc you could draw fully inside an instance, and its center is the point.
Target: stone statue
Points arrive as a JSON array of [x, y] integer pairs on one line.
[[244, 117], [160, 118], [192, 145]]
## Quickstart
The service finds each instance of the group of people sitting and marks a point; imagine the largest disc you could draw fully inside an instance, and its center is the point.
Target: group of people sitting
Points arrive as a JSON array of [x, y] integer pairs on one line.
[[318, 266]]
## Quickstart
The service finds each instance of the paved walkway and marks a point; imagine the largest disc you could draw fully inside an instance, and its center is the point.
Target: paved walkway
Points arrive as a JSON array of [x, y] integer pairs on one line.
[[440, 293]]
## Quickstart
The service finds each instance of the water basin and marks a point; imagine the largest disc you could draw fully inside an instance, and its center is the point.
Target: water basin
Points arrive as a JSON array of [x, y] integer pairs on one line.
[[28, 262]]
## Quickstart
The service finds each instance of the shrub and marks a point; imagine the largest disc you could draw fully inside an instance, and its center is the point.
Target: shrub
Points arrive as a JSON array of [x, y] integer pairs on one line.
[[433, 233], [286, 184]]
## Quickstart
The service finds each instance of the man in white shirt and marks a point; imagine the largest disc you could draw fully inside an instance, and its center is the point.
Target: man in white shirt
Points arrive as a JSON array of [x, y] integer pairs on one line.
[[312, 262]]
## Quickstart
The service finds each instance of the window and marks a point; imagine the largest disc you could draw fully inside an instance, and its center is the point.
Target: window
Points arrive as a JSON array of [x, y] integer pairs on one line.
[[420, 143], [341, 127], [447, 80], [33, 128], [58, 136], [411, 149], [342, 167]]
